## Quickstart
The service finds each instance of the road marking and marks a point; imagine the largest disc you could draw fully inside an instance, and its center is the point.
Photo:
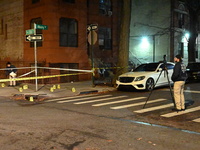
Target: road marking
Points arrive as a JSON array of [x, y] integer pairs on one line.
[[126, 100], [196, 120], [181, 112], [85, 98], [100, 100], [189, 91], [71, 97], [154, 108], [136, 104]]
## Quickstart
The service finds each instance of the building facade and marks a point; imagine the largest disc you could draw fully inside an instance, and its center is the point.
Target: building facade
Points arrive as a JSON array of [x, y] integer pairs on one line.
[[158, 28], [65, 42]]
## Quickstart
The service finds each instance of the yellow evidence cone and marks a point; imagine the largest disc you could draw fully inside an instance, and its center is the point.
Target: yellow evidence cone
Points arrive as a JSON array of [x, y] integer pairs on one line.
[[31, 99], [73, 89], [20, 89], [3, 85]]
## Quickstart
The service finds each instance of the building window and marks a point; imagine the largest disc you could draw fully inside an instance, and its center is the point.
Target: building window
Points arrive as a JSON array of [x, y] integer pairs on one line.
[[38, 31], [105, 7], [69, 1], [181, 16], [181, 49], [105, 40], [35, 1], [68, 32]]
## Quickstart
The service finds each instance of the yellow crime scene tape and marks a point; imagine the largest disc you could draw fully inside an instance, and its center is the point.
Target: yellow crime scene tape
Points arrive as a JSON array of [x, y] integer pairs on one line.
[[39, 77], [53, 76]]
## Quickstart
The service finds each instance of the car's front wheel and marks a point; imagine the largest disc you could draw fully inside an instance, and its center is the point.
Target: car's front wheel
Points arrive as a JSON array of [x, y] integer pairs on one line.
[[149, 84]]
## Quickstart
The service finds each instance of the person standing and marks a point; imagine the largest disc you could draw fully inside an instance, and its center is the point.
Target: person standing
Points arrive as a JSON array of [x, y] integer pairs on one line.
[[11, 71], [179, 77]]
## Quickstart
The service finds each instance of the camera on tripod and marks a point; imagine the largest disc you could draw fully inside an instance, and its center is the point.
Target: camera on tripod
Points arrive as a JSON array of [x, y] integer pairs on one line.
[[164, 62]]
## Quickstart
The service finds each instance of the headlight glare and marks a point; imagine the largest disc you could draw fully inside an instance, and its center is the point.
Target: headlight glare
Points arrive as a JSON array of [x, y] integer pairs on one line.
[[139, 78]]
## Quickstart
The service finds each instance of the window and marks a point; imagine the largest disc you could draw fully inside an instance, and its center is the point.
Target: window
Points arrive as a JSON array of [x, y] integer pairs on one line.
[[181, 16], [105, 7], [68, 32], [69, 1], [105, 41], [180, 49], [38, 31], [35, 1]]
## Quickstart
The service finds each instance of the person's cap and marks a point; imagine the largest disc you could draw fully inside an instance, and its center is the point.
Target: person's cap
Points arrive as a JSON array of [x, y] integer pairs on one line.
[[178, 56], [8, 63]]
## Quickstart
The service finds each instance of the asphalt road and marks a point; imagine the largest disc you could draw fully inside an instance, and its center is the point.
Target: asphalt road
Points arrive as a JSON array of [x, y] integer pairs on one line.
[[108, 121]]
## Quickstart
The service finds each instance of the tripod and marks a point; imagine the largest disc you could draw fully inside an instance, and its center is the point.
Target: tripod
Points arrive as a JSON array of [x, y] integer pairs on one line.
[[166, 73]]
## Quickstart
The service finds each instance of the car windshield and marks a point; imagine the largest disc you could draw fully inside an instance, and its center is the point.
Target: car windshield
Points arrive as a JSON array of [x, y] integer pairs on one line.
[[146, 67]]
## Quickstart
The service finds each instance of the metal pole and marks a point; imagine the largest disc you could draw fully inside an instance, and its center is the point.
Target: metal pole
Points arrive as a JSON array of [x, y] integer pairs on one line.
[[35, 52], [154, 48], [92, 60]]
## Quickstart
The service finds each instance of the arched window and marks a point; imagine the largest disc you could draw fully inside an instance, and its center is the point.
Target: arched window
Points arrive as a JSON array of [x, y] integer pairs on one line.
[[181, 16]]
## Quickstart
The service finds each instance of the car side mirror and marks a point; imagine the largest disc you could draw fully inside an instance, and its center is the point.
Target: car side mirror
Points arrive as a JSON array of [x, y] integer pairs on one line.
[[159, 70]]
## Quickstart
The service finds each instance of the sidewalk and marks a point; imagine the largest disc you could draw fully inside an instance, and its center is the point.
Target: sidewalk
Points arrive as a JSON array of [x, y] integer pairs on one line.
[[55, 90]]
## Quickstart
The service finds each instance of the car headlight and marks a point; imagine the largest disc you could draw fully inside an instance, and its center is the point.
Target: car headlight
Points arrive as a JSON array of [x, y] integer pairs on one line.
[[139, 78]]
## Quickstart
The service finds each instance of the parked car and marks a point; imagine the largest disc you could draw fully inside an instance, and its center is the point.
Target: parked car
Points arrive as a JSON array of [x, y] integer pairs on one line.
[[145, 76], [193, 71]]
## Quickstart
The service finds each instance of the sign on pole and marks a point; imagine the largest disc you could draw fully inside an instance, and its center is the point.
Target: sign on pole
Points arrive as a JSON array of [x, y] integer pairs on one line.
[[30, 31], [40, 26], [92, 37], [92, 27], [32, 38]]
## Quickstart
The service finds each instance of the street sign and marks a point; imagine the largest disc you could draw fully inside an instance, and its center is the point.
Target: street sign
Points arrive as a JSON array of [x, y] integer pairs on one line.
[[29, 31], [32, 38], [92, 27], [92, 37], [40, 26]]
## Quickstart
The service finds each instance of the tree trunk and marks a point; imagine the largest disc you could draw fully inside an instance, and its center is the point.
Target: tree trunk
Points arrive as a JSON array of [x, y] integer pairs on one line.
[[123, 56]]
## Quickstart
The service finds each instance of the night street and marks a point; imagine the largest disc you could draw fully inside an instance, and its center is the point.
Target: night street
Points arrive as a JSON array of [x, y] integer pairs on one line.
[[108, 121]]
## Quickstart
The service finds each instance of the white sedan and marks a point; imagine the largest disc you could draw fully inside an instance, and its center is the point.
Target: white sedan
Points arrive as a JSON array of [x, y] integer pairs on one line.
[[146, 76]]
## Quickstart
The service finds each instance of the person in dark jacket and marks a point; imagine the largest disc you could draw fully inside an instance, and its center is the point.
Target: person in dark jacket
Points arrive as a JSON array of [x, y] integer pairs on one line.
[[11, 71], [179, 77]]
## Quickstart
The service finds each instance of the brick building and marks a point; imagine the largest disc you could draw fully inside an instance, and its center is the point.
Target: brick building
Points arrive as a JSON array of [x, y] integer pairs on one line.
[[65, 43]]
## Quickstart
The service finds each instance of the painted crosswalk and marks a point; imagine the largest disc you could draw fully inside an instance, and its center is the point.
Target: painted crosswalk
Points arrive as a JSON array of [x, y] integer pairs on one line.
[[196, 120], [154, 108], [120, 102], [173, 114], [136, 104]]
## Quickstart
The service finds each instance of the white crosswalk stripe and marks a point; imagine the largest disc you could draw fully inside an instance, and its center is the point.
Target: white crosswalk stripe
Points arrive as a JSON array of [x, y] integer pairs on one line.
[[85, 98], [121, 101], [112, 100], [154, 108], [71, 97], [136, 104], [92, 101], [196, 120], [181, 112]]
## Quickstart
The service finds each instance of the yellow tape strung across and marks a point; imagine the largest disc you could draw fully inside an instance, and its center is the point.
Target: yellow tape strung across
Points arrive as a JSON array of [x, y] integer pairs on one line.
[[39, 77], [53, 76]]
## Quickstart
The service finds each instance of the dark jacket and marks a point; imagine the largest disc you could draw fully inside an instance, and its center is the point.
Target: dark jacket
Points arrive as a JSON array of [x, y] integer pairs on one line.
[[10, 69], [179, 72]]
